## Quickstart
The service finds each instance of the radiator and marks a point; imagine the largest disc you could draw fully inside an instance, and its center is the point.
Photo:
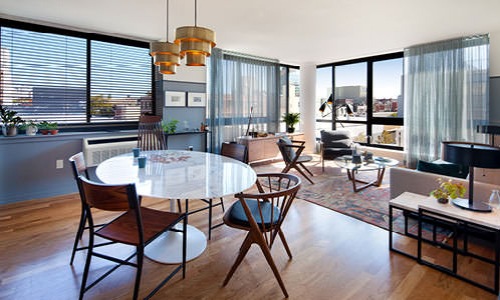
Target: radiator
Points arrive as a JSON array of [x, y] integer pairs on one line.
[[97, 150]]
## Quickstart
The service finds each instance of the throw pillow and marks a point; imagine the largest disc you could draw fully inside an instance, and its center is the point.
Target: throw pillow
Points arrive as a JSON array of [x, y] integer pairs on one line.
[[447, 169], [289, 151]]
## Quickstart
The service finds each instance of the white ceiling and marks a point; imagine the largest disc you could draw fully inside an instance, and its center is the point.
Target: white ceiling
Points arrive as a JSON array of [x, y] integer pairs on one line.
[[295, 32]]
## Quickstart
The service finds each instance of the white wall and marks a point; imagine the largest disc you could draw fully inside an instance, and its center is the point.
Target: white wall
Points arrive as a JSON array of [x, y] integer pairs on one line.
[[495, 54]]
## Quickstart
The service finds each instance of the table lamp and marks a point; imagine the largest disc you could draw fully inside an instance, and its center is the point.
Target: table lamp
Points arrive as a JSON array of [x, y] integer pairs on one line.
[[472, 155]]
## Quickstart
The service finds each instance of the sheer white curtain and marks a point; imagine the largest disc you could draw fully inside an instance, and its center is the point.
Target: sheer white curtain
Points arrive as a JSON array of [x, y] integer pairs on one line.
[[446, 94], [238, 83]]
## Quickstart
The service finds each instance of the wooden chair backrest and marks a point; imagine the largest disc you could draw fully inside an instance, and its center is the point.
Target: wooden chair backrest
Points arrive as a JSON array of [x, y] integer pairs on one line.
[[120, 197], [78, 165], [236, 151], [150, 134]]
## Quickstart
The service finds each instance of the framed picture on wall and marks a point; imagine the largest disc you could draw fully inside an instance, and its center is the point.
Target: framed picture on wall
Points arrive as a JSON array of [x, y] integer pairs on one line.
[[175, 99], [196, 99]]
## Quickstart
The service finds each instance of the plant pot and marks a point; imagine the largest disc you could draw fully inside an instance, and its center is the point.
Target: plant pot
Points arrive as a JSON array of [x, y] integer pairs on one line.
[[44, 131], [443, 200], [290, 130], [54, 131], [10, 130], [31, 130]]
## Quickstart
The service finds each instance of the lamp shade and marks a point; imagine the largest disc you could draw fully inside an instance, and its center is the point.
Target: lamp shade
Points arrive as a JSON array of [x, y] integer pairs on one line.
[[472, 154], [196, 44]]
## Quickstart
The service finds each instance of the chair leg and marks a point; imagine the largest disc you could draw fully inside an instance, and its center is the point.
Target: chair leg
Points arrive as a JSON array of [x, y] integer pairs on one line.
[[87, 267], [210, 202], [184, 247], [140, 259], [304, 174], [267, 254], [79, 233], [305, 168], [222, 204], [285, 244], [243, 251], [179, 206]]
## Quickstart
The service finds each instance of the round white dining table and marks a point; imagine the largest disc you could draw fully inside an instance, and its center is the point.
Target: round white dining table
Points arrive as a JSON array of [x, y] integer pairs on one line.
[[178, 174]]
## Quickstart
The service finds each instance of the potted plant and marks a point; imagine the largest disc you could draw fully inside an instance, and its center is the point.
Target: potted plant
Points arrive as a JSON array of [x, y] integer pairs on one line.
[[291, 119], [30, 127], [48, 127], [448, 189], [171, 126], [10, 121]]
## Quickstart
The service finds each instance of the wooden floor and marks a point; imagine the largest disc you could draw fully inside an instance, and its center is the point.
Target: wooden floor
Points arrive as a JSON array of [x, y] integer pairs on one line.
[[335, 257]]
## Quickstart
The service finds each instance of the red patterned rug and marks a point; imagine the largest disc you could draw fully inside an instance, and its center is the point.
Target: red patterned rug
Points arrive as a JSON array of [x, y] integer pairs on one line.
[[332, 189]]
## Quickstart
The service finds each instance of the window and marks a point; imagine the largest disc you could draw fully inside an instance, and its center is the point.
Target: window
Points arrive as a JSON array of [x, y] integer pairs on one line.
[[366, 99], [49, 74], [289, 93]]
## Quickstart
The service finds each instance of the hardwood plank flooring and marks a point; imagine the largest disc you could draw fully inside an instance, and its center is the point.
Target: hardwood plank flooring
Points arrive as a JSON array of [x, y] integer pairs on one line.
[[335, 257]]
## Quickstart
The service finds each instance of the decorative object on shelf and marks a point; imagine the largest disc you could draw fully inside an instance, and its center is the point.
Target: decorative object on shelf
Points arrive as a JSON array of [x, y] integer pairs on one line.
[[494, 201], [448, 189], [291, 119], [165, 54], [10, 121], [196, 42], [171, 126], [472, 155], [48, 127], [196, 99], [175, 99]]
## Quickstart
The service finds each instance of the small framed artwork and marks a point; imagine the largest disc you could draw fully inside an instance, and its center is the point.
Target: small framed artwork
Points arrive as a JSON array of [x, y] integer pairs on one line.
[[175, 99], [196, 99]]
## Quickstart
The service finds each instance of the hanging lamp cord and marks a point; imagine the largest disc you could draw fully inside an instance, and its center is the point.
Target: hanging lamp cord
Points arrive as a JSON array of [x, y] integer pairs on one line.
[[167, 22], [195, 13]]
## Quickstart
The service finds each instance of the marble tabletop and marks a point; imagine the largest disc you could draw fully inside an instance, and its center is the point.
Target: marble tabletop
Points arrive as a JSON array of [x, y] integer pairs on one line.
[[178, 174]]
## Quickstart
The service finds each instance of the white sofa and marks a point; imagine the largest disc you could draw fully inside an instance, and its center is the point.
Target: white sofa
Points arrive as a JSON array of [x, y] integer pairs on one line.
[[418, 182]]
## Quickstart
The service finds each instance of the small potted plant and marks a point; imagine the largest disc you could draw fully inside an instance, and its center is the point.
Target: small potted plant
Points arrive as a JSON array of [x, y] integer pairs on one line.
[[48, 127], [30, 127], [291, 119], [170, 127], [10, 121], [448, 189]]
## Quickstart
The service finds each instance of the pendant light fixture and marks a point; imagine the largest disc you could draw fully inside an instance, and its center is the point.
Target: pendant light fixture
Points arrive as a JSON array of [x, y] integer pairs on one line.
[[196, 42], [165, 54]]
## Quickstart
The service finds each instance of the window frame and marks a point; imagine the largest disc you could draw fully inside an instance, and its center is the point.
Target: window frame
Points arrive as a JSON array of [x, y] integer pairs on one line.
[[370, 119], [89, 37]]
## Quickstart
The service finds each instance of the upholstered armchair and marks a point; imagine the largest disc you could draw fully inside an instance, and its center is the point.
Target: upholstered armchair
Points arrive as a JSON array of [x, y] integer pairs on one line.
[[333, 144]]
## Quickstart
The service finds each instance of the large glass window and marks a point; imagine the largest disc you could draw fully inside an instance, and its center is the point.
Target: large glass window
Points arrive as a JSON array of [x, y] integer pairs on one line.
[[366, 99], [290, 93], [49, 74]]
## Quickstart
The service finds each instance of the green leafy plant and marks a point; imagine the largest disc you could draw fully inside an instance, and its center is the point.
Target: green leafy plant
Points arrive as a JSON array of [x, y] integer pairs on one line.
[[171, 126], [291, 119], [10, 117], [48, 125], [448, 189]]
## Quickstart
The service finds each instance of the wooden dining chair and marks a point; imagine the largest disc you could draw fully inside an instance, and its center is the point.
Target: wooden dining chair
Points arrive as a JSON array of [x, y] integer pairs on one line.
[[291, 151], [150, 134], [79, 168], [137, 226], [261, 214]]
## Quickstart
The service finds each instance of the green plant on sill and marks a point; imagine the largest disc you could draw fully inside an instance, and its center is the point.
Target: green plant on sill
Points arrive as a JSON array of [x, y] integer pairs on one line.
[[448, 189], [48, 125], [171, 126], [291, 119], [9, 117]]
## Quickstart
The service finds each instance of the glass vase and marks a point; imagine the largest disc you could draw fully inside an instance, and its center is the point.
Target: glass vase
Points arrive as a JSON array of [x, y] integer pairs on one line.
[[494, 201]]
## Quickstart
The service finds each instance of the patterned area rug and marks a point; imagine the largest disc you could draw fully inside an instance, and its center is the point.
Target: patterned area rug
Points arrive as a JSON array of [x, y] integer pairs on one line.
[[333, 190]]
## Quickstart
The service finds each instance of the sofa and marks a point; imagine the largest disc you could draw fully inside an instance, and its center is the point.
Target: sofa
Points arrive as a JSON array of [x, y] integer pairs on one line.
[[333, 144], [420, 182]]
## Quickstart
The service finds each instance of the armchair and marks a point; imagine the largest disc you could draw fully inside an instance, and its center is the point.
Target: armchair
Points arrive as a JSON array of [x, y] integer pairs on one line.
[[333, 144]]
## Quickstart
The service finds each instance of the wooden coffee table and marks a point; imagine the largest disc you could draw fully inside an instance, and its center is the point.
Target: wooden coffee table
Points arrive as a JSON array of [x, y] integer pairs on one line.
[[377, 163]]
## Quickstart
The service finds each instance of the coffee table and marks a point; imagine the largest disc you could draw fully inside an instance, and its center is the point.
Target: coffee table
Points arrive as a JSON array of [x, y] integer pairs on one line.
[[377, 163]]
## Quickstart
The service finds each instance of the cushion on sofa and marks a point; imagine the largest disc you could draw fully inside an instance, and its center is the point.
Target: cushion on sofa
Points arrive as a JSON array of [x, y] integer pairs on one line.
[[336, 138], [447, 169]]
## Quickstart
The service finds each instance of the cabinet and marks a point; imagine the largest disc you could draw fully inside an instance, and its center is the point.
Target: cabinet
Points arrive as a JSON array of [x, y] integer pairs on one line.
[[265, 148]]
